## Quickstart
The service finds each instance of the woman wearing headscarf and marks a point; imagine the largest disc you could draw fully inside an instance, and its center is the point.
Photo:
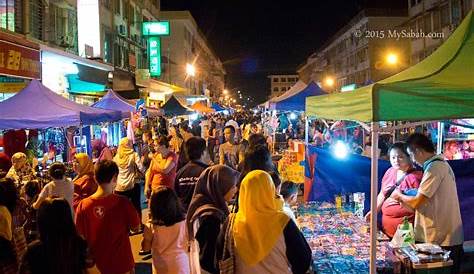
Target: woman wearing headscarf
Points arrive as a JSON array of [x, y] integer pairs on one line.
[[266, 240], [207, 211], [101, 151], [130, 168], [84, 183]]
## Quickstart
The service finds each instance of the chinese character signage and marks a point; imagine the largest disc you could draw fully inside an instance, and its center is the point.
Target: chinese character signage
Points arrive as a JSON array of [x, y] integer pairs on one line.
[[19, 61], [154, 53], [156, 28]]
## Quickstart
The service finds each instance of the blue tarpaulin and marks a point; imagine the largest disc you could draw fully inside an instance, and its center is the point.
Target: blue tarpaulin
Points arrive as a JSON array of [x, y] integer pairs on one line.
[[330, 176], [37, 107], [297, 101]]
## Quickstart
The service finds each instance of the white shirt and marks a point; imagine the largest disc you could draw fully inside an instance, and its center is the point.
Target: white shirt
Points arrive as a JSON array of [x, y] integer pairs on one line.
[[438, 220], [62, 189]]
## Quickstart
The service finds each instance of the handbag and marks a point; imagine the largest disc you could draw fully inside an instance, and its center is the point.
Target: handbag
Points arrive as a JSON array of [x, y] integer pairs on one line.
[[227, 263]]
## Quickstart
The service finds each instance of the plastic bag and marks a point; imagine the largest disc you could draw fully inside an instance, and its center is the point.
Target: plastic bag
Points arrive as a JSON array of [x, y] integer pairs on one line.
[[404, 236]]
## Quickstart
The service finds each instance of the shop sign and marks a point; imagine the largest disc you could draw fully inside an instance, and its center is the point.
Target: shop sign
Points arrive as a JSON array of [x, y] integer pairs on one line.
[[154, 53], [12, 87], [156, 28], [19, 61]]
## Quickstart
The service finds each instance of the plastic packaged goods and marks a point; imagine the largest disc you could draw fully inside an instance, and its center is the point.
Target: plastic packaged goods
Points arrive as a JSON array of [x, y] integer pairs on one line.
[[339, 239]]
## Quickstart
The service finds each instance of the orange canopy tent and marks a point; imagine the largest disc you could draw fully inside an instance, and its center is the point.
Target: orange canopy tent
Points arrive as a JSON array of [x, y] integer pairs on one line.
[[201, 107]]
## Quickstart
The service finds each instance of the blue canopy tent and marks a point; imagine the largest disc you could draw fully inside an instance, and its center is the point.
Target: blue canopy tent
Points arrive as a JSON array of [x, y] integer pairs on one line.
[[296, 102], [174, 108], [217, 107], [37, 107], [113, 101]]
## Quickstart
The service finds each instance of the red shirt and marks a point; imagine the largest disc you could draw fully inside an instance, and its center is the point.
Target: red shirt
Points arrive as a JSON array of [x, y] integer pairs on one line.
[[161, 179], [392, 211], [105, 223]]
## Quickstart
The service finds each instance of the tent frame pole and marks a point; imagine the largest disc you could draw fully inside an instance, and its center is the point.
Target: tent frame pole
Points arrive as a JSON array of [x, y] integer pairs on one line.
[[373, 196], [439, 145], [306, 130]]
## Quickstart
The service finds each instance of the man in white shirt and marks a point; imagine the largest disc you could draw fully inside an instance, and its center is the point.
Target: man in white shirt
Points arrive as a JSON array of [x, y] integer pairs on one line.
[[437, 214]]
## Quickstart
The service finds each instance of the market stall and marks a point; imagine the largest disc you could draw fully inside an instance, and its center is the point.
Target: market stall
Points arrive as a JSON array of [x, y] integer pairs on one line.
[[37, 107], [439, 87]]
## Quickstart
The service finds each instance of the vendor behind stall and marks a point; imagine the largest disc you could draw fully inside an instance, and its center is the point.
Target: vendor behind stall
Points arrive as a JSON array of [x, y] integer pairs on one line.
[[402, 176], [437, 214]]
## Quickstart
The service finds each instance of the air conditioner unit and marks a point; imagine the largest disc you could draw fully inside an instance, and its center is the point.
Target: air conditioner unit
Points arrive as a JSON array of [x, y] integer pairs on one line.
[[122, 30]]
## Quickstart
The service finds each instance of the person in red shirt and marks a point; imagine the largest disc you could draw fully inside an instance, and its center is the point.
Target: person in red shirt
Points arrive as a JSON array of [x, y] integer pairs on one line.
[[104, 219], [401, 176], [162, 171]]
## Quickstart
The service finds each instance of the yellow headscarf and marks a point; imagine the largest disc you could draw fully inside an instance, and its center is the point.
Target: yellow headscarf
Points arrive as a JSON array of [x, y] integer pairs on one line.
[[260, 220], [124, 153], [85, 163]]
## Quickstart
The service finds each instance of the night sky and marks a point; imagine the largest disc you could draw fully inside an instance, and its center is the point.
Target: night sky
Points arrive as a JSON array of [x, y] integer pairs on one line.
[[255, 38]]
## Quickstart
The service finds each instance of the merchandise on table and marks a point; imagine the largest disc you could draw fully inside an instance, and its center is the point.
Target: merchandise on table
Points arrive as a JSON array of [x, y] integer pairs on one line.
[[340, 240], [290, 167]]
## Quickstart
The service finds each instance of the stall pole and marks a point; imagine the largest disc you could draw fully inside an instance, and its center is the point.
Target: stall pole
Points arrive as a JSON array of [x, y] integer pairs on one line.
[[373, 197], [80, 136], [439, 146], [306, 130]]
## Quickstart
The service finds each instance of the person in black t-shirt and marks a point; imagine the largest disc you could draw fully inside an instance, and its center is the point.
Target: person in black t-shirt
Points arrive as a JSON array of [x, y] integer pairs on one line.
[[188, 175]]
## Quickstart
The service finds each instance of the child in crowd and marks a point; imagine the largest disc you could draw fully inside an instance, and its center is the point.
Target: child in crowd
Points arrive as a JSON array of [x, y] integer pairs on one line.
[[59, 187], [104, 219], [289, 191], [165, 233]]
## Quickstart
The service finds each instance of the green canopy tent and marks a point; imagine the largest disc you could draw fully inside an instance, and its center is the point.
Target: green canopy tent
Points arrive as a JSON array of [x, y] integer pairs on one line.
[[439, 87]]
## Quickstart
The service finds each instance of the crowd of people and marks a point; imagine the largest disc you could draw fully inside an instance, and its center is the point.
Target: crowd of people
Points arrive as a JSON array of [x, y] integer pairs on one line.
[[215, 200], [213, 194]]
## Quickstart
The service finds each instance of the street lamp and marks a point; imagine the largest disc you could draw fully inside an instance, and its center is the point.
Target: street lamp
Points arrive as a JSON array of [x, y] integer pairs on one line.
[[190, 70], [391, 58], [329, 81], [225, 92]]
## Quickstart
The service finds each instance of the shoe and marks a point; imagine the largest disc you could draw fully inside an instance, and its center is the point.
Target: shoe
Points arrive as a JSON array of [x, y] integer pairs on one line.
[[144, 252]]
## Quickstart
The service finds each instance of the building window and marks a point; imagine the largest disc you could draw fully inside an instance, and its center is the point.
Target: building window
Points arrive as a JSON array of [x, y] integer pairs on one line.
[[436, 21], [445, 16], [456, 11], [414, 2], [7, 15], [275, 89], [275, 80], [36, 19], [467, 7], [283, 89], [283, 80], [118, 7], [427, 23]]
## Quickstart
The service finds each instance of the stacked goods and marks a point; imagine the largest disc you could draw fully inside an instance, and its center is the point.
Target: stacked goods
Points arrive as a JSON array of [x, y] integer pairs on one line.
[[340, 240], [290, 168]]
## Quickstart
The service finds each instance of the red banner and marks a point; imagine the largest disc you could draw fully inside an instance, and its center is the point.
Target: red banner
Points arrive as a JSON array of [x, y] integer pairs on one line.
[[17, 60]]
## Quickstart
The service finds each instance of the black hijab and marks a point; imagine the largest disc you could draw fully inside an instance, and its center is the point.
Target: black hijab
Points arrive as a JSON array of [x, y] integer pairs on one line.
[[208, 197]]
